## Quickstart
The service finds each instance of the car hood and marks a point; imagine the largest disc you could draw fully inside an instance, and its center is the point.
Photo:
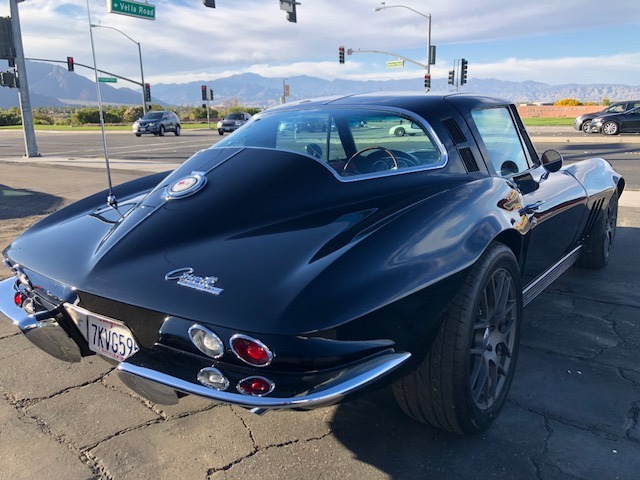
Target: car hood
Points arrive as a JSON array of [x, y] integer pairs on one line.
[[277, 232]]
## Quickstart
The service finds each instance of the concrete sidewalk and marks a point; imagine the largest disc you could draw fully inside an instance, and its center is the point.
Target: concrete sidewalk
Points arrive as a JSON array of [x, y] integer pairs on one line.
[[573, 411]]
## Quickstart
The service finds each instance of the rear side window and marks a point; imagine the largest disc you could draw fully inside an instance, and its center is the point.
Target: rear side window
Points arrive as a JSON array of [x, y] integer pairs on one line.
[[501, 140]]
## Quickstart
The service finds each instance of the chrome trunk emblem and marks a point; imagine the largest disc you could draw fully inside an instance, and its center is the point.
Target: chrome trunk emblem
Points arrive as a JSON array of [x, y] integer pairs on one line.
[[185, 277]]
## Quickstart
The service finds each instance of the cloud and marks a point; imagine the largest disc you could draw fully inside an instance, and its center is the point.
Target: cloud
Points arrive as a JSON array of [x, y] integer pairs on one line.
[[544, 40]]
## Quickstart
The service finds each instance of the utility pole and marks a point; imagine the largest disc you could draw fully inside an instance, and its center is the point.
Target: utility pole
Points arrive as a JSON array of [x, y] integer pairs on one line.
[[23, 85]]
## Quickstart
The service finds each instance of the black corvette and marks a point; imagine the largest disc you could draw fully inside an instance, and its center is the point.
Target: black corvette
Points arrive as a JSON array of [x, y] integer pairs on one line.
[[288, 269]]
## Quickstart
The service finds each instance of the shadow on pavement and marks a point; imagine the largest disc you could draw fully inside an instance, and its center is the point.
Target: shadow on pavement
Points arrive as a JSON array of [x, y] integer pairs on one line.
[[576, 383], [26, 203]]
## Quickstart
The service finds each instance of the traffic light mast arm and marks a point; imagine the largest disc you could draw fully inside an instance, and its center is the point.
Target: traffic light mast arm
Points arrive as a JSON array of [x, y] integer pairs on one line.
[[391, 54], [86, 66]]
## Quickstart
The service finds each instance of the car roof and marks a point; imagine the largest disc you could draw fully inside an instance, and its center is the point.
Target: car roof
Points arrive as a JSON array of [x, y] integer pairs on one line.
[[420, 103]]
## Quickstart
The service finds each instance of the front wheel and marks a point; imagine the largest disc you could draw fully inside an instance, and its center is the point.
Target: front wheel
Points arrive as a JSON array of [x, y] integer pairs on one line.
[[586, 126], [138, 134], [220, 132], [400, 132], [610, 128], [462, 382], [161, 131]]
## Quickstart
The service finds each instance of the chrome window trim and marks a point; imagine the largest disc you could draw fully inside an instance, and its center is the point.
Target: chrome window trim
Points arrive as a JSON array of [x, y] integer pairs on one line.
[[407, 114]]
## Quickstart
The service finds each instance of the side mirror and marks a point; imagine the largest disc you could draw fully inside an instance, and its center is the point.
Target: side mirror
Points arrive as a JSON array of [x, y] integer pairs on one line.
[[551, 160]]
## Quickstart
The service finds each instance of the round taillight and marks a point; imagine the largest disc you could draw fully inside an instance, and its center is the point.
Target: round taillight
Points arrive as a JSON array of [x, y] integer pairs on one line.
[[18, 299], [211, 377], [206, 341], [256, 386], [251, 350]]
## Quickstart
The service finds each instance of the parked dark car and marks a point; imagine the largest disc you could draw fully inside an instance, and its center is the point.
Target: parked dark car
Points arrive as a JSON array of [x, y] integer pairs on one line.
[[232, 122], [583, 122], [277, 271], [617, 123], [157, 123]]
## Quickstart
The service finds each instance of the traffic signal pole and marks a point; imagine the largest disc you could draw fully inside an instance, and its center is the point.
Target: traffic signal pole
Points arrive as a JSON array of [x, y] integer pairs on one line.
[[23, 85]]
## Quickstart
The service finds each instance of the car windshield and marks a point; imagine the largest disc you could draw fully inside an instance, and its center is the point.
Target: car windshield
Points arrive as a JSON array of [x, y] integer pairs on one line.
[[350, 141], [235, 116], [153, 116]]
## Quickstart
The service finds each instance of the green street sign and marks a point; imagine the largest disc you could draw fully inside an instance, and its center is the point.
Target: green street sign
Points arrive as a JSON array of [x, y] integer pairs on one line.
[[132, 9], [107, 79], [395, 64]]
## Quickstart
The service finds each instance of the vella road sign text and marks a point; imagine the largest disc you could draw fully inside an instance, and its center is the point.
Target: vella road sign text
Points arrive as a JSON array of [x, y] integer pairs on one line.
[[107, 79], [133, 9]]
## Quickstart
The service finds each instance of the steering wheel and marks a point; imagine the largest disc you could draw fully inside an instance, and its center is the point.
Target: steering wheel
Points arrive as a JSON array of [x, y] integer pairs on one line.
[[360, 152]]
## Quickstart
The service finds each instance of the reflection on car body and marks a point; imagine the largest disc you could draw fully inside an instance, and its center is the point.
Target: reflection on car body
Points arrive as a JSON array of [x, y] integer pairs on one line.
[[281, 270]]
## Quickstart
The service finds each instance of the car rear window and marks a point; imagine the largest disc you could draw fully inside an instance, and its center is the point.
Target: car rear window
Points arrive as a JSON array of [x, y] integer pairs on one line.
[[351, 142]]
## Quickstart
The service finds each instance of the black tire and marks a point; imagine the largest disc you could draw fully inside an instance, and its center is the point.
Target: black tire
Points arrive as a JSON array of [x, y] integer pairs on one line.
[[161, 131], [463, 381], [610, 128], [400, 132], [220, 132], [599, 243], [177, 131], [138, 134]]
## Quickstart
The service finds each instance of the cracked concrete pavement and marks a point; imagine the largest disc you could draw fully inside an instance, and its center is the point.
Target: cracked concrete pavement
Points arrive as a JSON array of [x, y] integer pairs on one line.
[[572, 412]]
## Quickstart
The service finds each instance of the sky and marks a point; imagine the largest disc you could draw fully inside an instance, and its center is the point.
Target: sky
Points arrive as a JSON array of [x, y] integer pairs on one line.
[[550, 41]]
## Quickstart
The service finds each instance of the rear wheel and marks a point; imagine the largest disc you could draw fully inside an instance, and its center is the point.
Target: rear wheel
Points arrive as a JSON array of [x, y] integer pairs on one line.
[[400, 132], [177, 132], [463, 381], [610, 128], [599, 243]]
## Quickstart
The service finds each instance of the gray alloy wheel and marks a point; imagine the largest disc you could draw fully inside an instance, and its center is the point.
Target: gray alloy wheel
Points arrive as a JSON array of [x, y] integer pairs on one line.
[[586, 125], [599, 243], [177, 132], [161, 132], [463, 381], [610, 128], [400, 132]]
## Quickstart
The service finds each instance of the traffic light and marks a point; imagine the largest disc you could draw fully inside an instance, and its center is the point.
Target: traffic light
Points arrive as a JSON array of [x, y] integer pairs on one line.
[[427, 81], [463, 71], [341, 54], [147, 92], [452, 74], [289, 6], [203, 88], [70, 64], [209, 3], [8, 79]]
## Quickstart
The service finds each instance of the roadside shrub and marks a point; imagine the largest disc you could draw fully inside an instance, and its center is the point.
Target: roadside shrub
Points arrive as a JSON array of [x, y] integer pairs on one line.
[[568, 102], [131, 114], [10, 117]]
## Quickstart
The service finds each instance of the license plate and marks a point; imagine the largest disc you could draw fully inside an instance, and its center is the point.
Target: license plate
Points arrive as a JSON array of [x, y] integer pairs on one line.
[[111, 339], [105, 336], [142, 129]]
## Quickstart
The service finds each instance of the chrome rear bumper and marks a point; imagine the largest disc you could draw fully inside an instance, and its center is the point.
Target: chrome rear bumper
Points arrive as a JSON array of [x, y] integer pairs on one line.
[[42, 329], [160, 387]]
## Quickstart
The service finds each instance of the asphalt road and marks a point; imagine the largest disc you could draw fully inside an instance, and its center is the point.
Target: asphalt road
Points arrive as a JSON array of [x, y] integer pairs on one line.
[[622, 151], [573, 411]]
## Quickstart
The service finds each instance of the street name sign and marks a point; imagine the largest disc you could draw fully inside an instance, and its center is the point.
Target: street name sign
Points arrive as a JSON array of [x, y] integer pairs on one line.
[[395, 63], [132, 9], [107, 79]]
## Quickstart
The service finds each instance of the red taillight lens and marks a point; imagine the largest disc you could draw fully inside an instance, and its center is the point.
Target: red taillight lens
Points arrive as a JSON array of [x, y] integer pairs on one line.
[[256, 386], [251, 351], [18, 299]]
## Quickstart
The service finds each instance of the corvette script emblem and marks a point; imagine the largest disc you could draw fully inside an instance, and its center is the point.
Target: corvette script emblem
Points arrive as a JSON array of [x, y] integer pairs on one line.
[[186, 278]]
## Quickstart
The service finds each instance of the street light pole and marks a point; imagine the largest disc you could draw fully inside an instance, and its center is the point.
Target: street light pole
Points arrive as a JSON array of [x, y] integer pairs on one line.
[[144, 97], [427, 16]]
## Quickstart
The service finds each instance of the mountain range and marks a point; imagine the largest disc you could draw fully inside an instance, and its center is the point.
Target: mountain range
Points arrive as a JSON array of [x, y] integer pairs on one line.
[[54, 86]]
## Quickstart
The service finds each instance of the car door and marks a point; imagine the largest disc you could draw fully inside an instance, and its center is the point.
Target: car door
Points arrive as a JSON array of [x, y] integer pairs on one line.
[[552, 203], [630, 121]]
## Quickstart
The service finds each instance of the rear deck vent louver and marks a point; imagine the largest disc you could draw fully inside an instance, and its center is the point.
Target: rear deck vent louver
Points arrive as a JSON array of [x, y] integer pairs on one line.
[[469, 161], [454, 131]]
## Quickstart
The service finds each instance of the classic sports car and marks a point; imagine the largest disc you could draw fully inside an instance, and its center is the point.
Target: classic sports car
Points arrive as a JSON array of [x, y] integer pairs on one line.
[[275, 271]]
